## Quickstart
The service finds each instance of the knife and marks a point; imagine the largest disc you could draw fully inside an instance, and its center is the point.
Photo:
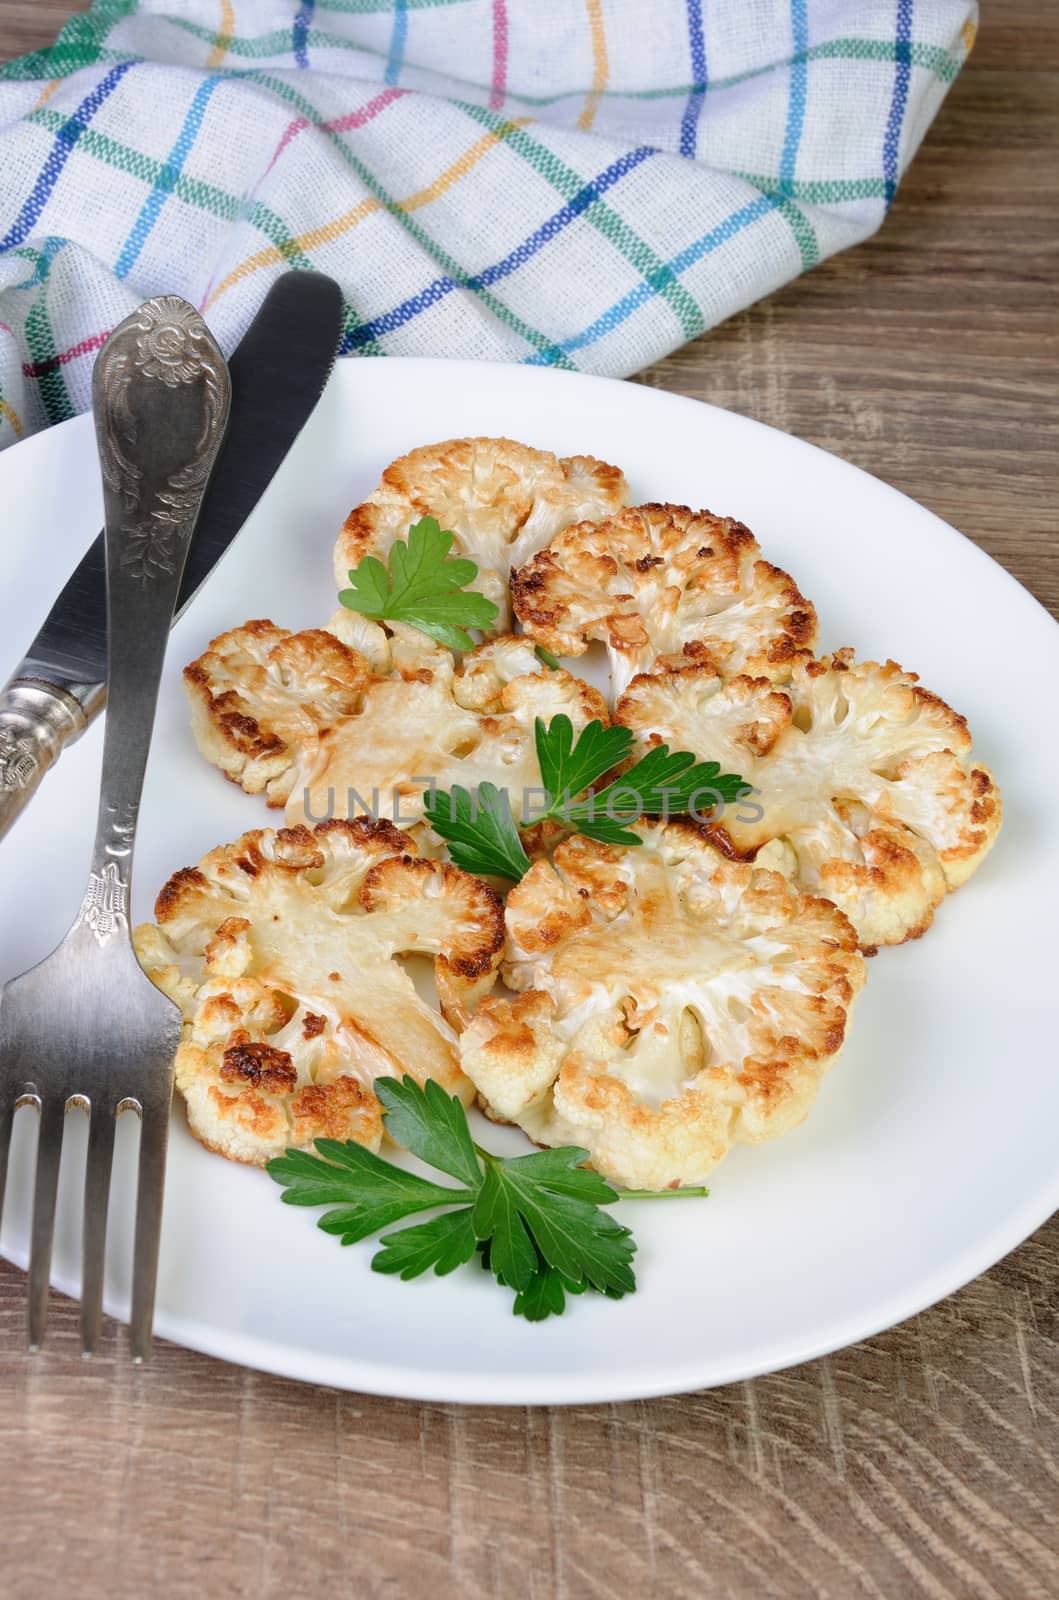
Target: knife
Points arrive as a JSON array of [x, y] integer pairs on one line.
[[278, 373]]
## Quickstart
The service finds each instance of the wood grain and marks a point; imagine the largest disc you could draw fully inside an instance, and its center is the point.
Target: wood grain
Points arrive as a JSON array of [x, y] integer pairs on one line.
[[31, 24], [922, 1463]]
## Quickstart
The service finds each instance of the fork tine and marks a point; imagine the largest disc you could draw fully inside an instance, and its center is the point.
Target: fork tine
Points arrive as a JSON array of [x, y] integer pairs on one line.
[[97, 1196], [49, 1149], [154, 1138]]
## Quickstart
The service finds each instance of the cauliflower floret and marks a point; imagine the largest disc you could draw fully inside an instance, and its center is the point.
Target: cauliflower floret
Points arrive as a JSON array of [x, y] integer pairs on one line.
[[502, 500], [670, 1004], [281, 951], [867, 786], [422, 720], [485, 673], [658, 582], [260, 691]]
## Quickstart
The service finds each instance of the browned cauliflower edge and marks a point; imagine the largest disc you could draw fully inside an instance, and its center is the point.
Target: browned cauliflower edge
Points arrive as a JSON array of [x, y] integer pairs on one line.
[[868, 790], [283, 952], [670, 1003], [328, 728], [500, 499], [259, 692], [664, 585]]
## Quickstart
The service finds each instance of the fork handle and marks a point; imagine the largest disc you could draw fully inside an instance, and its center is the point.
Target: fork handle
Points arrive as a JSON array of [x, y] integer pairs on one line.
[[160, 397]]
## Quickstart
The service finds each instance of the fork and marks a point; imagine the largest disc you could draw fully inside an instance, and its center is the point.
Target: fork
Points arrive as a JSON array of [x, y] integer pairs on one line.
[[87, 1027]]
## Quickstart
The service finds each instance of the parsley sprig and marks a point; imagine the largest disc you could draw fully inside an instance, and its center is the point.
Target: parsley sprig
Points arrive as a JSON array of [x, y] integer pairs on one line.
[[422, 587], [535, 1221], [481, 831]]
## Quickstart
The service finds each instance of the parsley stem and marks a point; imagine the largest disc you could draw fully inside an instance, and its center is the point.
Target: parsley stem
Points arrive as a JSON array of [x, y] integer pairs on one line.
[[692, 1192]]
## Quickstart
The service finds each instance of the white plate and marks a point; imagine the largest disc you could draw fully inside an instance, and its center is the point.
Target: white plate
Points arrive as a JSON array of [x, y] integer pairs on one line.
[[932, 1149]]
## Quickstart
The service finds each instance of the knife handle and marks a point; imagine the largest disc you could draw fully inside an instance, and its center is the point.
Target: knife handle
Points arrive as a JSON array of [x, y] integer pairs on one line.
[[36, 721]]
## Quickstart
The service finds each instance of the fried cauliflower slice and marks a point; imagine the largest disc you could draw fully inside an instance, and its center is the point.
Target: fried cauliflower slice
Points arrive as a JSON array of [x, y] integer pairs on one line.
[[260, 691], [868, 789], [502, 500], [282, 952], [436, 724], [670, 1004], [347, 727], [665, 585]]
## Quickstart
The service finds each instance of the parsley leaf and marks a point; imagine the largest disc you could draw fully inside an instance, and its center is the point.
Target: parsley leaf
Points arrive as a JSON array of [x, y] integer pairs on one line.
[[422, 587], [512, 1258], [431, 1124], [562, 1171], [568, 768], [444, 1243], [661, 784], [572, 1235], [546, 1295], [535, 1221], [371, 1193], [479, 830]]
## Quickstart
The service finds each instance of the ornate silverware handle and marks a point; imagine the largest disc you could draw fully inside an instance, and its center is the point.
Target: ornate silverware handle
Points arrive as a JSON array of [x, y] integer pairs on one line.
[[160, 396], [37, 721]]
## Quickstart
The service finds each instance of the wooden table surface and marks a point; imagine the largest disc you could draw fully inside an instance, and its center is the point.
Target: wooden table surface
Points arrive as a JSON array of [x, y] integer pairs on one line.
[[920, 1463]]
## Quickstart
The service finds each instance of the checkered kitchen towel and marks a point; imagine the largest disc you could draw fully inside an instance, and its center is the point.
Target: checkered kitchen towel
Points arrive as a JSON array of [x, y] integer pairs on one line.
[[571, 183]]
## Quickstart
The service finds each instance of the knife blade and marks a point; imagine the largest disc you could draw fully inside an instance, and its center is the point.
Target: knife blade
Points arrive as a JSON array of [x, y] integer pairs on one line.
[[278, 373]]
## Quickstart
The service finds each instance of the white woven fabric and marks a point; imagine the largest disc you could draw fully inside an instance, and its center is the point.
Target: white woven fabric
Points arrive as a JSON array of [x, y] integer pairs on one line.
[[585, 183]]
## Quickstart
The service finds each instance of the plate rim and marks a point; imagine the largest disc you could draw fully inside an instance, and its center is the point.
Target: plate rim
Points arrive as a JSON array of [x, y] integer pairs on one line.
[[353, 1374], [549, 376]]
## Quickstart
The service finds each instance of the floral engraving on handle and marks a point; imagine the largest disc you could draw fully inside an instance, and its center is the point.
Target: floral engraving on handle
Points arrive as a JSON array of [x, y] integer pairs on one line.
[[18, 763], [105, 906], [172, 342], [167, 340]]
